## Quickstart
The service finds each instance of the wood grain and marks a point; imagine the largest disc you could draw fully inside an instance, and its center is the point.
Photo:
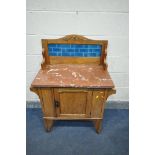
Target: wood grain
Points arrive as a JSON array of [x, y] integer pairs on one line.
[[74, 60]]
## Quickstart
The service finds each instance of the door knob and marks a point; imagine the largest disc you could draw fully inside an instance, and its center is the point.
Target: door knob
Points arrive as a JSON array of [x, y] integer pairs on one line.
[[57, 104]]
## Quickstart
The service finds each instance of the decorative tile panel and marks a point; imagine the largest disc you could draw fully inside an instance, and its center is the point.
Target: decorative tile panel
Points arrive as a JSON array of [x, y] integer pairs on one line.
[[74, 50]]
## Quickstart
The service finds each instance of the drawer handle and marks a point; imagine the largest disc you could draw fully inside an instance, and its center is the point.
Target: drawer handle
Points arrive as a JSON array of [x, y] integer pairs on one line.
[[57, 104]]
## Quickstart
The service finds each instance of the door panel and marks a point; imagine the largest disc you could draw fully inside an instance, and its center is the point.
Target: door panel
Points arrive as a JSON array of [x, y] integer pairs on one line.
[[73, 102]]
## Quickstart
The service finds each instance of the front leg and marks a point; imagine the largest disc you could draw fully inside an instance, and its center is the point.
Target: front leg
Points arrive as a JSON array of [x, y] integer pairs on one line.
[[98, 125], [48, 124], [47, 104]]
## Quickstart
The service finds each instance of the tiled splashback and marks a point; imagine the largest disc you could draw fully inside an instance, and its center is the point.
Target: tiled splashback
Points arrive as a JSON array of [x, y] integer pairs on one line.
[[74, 50]]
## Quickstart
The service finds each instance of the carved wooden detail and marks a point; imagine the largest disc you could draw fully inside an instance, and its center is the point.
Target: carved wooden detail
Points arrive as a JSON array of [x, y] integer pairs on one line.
[[35, 90], [105, 57], [111, 91], [43, 64], [74, 37]]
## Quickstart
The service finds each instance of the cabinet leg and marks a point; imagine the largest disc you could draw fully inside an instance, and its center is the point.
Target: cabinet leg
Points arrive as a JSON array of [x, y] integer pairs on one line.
[[48, 125], [98, 125]]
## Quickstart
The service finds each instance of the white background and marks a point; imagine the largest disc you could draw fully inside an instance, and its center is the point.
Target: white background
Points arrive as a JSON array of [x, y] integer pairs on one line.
[[13, 81], [95, 19]]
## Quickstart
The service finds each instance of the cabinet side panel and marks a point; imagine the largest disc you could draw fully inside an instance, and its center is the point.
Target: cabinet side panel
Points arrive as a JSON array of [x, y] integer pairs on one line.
[[47, 102], [98, 102]]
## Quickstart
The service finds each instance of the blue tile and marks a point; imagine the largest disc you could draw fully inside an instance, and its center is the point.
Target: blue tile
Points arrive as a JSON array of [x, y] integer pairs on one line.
[[98, 54], [90, 50], [96, 50], [85, 46], [77, 46], [73, 46], [59, 54], [91, 46], [72, 54], [91, 54], [83, 50], [94, 46], [81, 46], [69, 50], [56, 49], [85, 54], [79, 54], [98, 46], [49, 53], [76, 50], [63, 50], [50, 48], [65, 54], [88, 54]]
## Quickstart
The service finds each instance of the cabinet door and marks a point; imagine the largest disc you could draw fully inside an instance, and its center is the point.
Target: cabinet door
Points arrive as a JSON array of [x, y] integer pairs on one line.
[[72, 103]]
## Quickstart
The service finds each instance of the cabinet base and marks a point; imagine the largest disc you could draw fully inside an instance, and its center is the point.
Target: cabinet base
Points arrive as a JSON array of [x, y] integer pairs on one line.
[[48, 124]]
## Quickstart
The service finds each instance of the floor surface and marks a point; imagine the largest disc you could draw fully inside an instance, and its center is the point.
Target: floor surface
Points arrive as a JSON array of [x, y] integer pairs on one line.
[[78, 137]]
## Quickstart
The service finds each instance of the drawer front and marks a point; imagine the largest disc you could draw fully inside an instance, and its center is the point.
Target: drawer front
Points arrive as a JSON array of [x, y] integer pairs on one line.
[[72, 103]]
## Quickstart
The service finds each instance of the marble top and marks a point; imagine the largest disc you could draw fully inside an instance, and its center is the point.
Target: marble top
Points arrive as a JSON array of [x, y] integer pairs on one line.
[[73, 75]]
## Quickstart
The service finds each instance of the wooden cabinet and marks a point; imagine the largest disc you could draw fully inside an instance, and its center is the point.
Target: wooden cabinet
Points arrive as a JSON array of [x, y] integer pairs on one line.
[[72, 104], [73, 88]]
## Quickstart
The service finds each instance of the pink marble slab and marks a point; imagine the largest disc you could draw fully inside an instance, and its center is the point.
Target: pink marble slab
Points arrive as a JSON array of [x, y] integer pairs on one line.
[[69, 75]]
